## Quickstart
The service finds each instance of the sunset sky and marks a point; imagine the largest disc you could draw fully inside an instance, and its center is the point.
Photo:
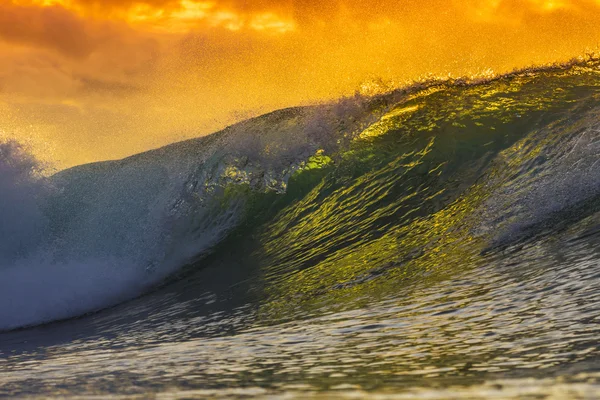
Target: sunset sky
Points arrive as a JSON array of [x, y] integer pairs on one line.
[[87, 80]]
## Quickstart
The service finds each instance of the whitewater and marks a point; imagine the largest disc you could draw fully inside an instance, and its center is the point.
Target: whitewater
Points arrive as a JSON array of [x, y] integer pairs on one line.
[[440, 241]]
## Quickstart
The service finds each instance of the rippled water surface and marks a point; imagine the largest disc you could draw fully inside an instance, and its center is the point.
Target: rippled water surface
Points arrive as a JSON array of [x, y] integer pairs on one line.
[[526, 323]]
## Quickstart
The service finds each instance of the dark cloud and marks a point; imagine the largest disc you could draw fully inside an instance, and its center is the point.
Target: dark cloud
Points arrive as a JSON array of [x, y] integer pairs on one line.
[[51, 27]]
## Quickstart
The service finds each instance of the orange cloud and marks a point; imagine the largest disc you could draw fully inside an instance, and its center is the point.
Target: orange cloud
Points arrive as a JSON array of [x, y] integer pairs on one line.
[[175, 16], [517, 11], [51, 26]]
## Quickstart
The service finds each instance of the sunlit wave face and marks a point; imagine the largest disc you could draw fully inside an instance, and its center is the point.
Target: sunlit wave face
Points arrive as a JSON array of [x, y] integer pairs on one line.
[[96, 80]]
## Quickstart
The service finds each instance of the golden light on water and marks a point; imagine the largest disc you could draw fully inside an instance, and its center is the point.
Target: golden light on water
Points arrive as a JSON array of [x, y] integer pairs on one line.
[[104, 79]]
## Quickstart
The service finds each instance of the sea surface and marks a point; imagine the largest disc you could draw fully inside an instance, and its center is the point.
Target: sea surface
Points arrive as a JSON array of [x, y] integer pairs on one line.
[[441, 241]]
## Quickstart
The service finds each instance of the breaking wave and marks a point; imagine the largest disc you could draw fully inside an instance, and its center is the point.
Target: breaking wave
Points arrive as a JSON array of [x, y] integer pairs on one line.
[[337, 195]]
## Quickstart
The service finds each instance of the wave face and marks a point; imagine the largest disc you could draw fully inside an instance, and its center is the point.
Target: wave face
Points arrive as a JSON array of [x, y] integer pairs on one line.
[[330, 203]]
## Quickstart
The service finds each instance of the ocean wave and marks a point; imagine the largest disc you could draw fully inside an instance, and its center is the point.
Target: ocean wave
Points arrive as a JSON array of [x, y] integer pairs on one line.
[[338, 196]]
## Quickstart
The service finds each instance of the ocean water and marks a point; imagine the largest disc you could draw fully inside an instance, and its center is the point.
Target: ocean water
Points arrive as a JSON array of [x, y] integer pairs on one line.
[[439, 241]]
